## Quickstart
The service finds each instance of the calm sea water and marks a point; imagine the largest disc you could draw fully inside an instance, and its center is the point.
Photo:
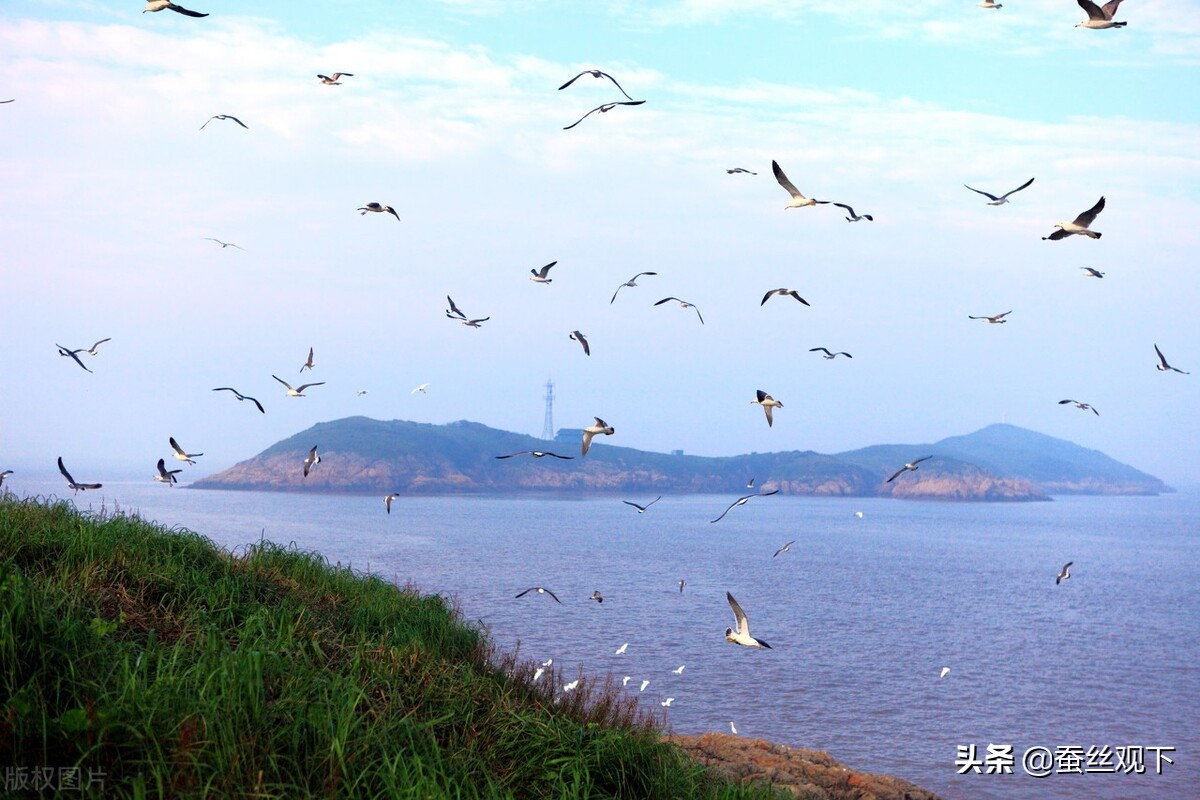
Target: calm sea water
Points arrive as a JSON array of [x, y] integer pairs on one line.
[[862, 614]]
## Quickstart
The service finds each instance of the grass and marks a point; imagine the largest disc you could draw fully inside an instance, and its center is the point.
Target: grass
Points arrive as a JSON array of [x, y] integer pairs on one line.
[[175, 669]]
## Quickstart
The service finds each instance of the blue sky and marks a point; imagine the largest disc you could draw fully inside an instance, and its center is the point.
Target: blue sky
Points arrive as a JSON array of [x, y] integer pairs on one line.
[[453, 117]]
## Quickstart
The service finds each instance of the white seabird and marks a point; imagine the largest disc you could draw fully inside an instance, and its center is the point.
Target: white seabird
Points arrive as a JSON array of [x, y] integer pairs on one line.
[[732, 728], [828, 353], [1080, 406], [332, 80], [679, 670], [309, 363], [240, 396], [165, 475], [224, 244], [160, 5], [570, 686], [631, 282], [990, 4], [625, 681], [91, 351], [1065, 574], [742, 634], [999, 319], [1080, 225], [538, 672], [1099, 17], [604, 109], [741, 501], [311, 460], [1002, 199], [421, 389], [682, 583], [682, 304], [599, 598], [667, 702], [786, 548], [645, 683], [71, 482], [1163, 366], [224, 116], [854, 217], [601, 427], [798, 200], [540, 275], [387, 501], [540, 590], [4, 475], [911, 466], [782, 292], [579, 337], [378, 208], [642, 509], [180, 455], [945, 672], [622, 649], [298, 391], [768, 403]]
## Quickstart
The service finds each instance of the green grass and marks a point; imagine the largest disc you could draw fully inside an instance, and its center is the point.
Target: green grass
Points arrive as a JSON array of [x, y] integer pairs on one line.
[[179, 670]]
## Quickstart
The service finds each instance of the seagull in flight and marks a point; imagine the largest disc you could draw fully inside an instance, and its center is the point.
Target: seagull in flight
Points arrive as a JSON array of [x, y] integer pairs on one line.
[[679, 670], [387, 501], [1080, 225], [829, 355], [798, 200], [741, 501], [454, 313], [999, 319], [737, 170], [767, 402], [91, 351], [71, 483], [539, 275], [577, 336], [241, 396], [595, 73], [631, 282], [378, 208], [599, 598], [223, 116], [1065, 574], [1088, 272], [421, 389], [682, 304], [298, 391], [309, 363], [621, 650], [224, 244], [990, 4], [62, 351], [1099, 17], [537, 454], [1080, 406], [787, 547], [4, 475], [540, 590], [682, 583], [604, 109], [667, 702], [159, 5], [601, 427], [742, 634], [782, 293], [1002, 199], [854, 217], [332, 80], [911, 466], [642, 509], [945, 671], [179, 452], [2, 102], [165, 475], [311, 460], [645, 683], [1163, 366]]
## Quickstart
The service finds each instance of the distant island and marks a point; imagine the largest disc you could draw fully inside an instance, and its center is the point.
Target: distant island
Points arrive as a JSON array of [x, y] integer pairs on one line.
[[360, 455]]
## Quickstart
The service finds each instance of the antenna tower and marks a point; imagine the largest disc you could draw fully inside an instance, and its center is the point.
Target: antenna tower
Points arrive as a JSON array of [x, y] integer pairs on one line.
[[548, 425]]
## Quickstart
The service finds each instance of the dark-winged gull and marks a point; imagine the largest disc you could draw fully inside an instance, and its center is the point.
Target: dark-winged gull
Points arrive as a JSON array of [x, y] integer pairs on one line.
[[741, 501], [1163, 366], [741, 635], [332, 80], [241, 396], [1099, 17], [180, 455], [224, 116], [999, 319], [741, 171], [224, 244], [600, 428], [595, 73], [1088, 272], [682, 304], [787, 292], [854, 217], [63, 351], [682, 583], [378, 208], [539, 590], [536, 454], [604, 109], [599, 598], [1080, 225], [165, 475], [786, 548], [161, 5], [311, 460], [798, 200], [540, 275], [72, 483], [1002, 199], [309, 364], [631, 282], [768, 403], [911, 466], [299, 390], [1080, 406], [387, 501], [642, 509], [4, 475], [579, 337], [1065, 574], [828, 353]]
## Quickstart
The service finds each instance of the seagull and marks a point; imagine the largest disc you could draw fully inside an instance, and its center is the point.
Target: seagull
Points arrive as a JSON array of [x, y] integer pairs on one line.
[[474, 323], [682, 304], [667, 702], [767, 402], [750, 483], [999, 319], [599, 598], [224, 244], [621, 650], [380, 208], [732, 728], [741, 170], [387, 501], [858, 514], [631, 282], [91, 351], [595, 73], [911, 466], [180, 454], [1002, 199], [642, 509], [828, 354], [1079, 405], [945, 672], [625, 681], [240, 396], [1163, 366], [62, 351], [332, 80], [539, 275], [798, 200], [782, 292], [990, 4], [601, 427], [421, 389], [538, 673], [569, 686], [537, 454], [299, 391], [159, 5], [71, 484], [1080, 225], [741, 501], [642, 688], [311, 460], [360, 392], [2, 102], [4, 475], [455, 314], [603, 109], [164, 475], [577, 336], [540, 590], [1099, 17], [224, 116], [679, 670], [682, 583], [787, 547], [1065, 574], [547, 662], [854, 217], [742, 634], [1091, 273], [308, 364]]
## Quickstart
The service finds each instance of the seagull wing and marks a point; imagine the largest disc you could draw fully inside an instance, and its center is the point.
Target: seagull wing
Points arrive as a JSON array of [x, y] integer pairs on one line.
[[238, 121], [577, 336], [761, 396], [614, 80], [1085, 219], [337, 75], [73, 354], [63, 470], [767, 296], [614, 297], [985, 194], [824, 350], [577, 77], [698, 314], [304, 386], [510, 455], [783, 180], [454, 309], [640, 274], [655, 500], [256, 403], [544, 271], [185, 11], [585, 116], [635, 505], [848, 208], [1093, 10], [564, 458], [92, 349], [668, 299], [739, 616], [919, 460], [796, 295], [285, 383], [205, 125], [1058, 234], [175, 446], [898, 473], [1024, 185], [1108, 8], [739, 501]]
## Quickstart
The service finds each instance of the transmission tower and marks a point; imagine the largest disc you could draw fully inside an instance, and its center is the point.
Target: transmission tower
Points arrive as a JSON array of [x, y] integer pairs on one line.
[[548, 425]]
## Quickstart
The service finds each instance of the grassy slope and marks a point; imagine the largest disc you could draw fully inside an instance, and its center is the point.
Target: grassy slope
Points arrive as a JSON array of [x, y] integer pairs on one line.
[[181, 670]]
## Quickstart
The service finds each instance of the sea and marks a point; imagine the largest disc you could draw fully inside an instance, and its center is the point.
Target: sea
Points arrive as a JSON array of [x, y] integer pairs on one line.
[[1088, 689]]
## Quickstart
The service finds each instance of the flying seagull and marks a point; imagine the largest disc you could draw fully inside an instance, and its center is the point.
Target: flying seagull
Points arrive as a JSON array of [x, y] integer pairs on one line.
[[577, 336], [159, 5], [854, 217], [999, 319], [595, 73], [742, 634], [1088, 272], [224, 244], [798, 200], [990, 4], [682, 583], [945, 671], [180, 455], [421, 389], [621, 650], [540, 590], [750, 483], [599, 598], [567, 687], [1002, 199], [360, 392], [911, 466], [787, 547], [631, 282], [299, 391], [682, 304], [387, 501], [1080, 225], [379, 208], [732, 728], [453, 312], [642, 509], [332, 80], [240, 396], [309, 363], [667, 702], [539, 275], [311, 460], [645, 683], [538, 672], [767, 402], [601, 427], [1080, 406], [603, 109], [537, 454], [91, 351], [1099, 16], [679, 670], [828, 354], [62, 351], [165, 475], [71, 484], [1163, 366], [737, 170], [1065, 574], [224, 116], [4, 475], [782, 292], [741, 501]]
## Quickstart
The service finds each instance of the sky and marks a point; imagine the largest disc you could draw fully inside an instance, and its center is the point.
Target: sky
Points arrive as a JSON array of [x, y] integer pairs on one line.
[[454, 118]]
